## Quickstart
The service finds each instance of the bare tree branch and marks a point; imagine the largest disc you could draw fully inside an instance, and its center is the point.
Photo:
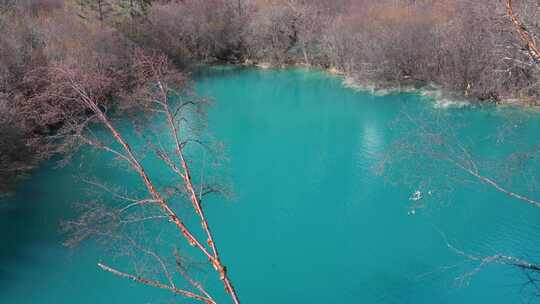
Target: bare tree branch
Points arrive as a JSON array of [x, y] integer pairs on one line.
[[156, 284], [523, 32]]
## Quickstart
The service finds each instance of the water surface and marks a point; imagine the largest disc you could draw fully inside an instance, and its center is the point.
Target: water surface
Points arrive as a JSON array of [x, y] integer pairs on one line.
[[311, 221]]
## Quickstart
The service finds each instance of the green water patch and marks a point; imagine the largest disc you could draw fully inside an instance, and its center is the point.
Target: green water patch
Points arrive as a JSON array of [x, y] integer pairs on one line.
[[311, 220]]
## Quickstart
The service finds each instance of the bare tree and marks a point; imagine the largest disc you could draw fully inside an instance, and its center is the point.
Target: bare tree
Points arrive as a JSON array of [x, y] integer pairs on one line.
[[156, 84], [310, 19]]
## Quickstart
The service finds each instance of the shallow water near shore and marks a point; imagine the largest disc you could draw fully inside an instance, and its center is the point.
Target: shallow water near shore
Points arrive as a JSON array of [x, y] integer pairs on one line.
[[311, 221]]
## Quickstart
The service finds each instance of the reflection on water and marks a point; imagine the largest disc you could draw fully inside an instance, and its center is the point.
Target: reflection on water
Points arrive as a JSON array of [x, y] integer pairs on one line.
[[371, 143]]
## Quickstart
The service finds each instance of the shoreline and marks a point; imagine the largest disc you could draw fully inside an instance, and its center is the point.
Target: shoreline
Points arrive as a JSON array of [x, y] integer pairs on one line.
[[445, 98]]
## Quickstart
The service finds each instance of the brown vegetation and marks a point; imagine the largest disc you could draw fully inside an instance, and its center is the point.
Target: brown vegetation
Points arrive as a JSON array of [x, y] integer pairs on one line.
[[467, 47]]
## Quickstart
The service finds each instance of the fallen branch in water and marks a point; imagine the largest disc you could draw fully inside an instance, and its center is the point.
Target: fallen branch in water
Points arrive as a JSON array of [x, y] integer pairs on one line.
[[156, 284], [484, 261]]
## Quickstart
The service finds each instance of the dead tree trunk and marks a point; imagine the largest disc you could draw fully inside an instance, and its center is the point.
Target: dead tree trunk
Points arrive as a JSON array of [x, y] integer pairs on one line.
[[523, 32]]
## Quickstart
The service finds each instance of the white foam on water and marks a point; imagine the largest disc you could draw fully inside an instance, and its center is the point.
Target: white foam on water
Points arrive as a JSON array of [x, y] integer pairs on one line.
[[264, 65], [354, 84], [444, 100], [365, 86], [440, 98], [445, 103]]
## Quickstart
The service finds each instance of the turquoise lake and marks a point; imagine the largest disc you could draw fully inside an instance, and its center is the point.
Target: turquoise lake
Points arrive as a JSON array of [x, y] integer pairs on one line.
[[311, 220]]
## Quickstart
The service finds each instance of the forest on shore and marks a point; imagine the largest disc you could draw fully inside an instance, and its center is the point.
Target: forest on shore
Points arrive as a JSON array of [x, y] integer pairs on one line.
[[472, 48]]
